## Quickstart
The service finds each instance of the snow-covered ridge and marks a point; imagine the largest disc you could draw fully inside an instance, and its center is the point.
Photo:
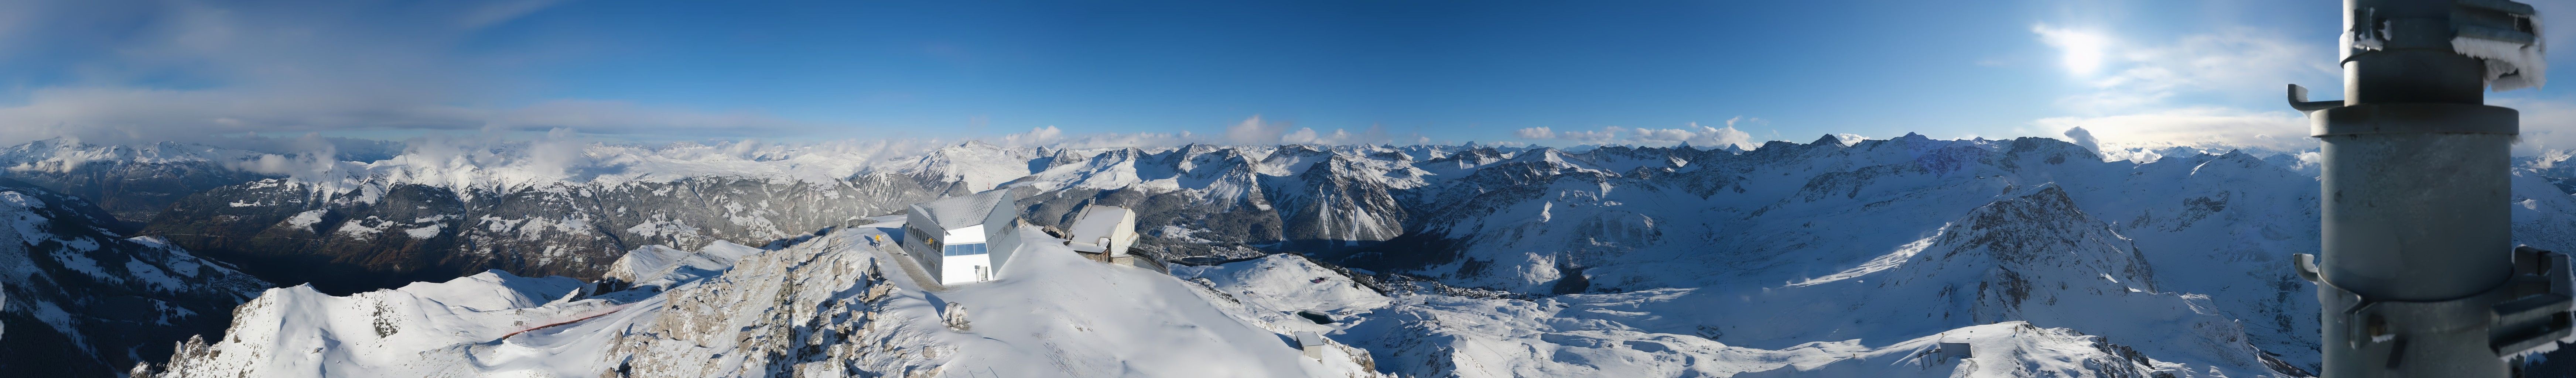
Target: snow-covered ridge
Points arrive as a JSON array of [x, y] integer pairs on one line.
[[80, 299], [835, 305]]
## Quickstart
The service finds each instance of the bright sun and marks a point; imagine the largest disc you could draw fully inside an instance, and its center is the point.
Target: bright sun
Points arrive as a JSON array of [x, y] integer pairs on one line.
[[2080, 51]]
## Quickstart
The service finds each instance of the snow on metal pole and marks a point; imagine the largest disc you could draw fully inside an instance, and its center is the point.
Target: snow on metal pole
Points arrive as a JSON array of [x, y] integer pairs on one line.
[[2419, 275]]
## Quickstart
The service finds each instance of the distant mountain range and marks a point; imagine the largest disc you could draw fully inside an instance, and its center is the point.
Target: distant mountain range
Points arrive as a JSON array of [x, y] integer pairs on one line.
[[1587, 263]]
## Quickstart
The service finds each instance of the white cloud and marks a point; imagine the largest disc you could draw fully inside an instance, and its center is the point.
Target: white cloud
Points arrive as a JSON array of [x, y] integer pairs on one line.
[[121, 115], [2233, 63], [2547, 125], [1693, 134], [1302, 136], [1037, 136], [2185, 92], [1050, 136], [1730, 122], [2192, 127], [2083, 137], [1254, 131], [1372, 135], [1603, 136], [1535, 133], [296, 67], [499, 12]]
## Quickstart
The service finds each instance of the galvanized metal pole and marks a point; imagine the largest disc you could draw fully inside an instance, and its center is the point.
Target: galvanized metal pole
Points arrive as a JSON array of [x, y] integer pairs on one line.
[[2419, 276]]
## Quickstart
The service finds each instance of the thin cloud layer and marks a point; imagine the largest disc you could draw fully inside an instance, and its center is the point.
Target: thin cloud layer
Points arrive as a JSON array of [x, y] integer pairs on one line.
[[2175, 93], [1255, 131], [183, 69], [1693, 134], [2226, 65], [2184, 93], [2191, 127]]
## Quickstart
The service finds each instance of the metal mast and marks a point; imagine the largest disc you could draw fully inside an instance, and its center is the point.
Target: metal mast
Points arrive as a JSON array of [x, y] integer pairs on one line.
[[2419, 275]]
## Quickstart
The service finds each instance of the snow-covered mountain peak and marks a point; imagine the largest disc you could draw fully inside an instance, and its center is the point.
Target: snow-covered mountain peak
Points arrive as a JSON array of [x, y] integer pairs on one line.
[[488, 291], [977, 165], [656, 266], [2041, 224]]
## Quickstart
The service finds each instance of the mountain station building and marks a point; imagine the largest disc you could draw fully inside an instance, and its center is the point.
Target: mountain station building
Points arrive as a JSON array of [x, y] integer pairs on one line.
[[963, 239]]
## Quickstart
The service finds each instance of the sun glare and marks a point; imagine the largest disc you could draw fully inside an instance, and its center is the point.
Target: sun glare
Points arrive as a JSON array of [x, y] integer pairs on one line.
[[2080, 52]]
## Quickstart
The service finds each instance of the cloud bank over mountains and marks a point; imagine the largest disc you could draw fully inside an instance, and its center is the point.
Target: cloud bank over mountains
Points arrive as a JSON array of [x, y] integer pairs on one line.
[[190, 69], [1693, 134], [183, 69], [2222, 86]]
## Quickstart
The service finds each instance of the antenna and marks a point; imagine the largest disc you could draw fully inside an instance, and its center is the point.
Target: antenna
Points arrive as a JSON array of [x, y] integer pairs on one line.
[[2419, 276]]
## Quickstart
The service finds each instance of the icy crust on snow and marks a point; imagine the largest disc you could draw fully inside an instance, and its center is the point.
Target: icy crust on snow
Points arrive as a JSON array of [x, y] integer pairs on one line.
[[823, 307], [2510, 65]]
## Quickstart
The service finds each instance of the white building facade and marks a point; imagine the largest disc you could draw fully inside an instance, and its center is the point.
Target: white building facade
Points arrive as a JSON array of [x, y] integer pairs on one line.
[[963, 239]]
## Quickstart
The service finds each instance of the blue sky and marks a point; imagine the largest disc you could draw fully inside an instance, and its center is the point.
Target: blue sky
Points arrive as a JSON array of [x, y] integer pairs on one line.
[[1141, 72]]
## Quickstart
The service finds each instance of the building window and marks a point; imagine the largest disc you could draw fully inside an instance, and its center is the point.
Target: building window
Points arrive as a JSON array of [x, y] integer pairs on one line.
[[962, 249]]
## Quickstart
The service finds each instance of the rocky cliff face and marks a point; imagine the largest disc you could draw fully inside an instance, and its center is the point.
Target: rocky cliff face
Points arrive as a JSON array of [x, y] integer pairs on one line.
[[79, 298]]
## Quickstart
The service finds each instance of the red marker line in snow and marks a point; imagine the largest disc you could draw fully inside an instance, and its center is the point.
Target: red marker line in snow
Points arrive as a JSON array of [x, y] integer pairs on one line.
[[610, 310]]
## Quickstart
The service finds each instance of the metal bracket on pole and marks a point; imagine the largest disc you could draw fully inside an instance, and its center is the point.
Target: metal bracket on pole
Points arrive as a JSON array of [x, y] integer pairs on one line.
[[2529, 311], [2535, 309], [2299, 100]]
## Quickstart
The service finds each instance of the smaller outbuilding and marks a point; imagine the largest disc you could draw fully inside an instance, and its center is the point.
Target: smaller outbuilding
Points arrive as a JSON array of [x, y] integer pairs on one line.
[[1952, 349], [1107, 230], [1310, 343]]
